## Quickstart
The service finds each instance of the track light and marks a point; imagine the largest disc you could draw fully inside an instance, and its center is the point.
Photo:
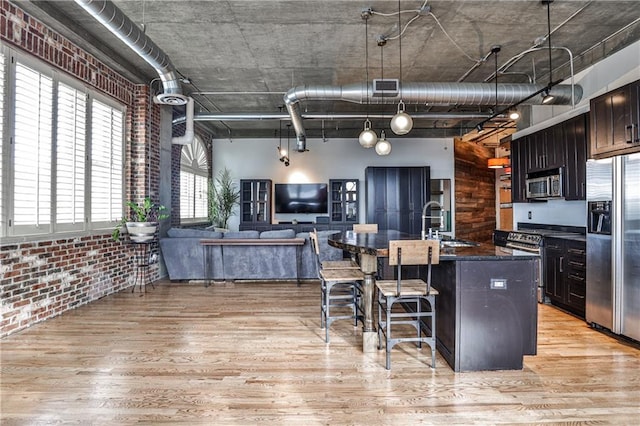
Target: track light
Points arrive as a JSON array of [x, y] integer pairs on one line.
[[368, 137], [479, 128], [383, 147], [401, 123], [547, 97], [514, 114]]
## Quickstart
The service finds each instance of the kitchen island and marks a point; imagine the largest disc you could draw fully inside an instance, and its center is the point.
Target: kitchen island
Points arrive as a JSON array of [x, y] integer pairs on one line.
[[486, 315]]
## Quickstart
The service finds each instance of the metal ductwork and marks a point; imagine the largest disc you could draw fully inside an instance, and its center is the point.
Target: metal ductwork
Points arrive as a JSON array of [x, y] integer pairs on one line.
[[471, 94], [122, 27], [189, 132]]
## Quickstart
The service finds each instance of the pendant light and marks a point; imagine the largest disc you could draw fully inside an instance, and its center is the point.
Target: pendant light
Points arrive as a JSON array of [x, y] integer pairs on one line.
[[383, 147], [368, 137], [401, 123]]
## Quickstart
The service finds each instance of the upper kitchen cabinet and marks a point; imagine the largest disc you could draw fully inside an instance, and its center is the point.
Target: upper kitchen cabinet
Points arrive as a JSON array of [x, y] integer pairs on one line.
[[615, 117], [519, 155], [546, 149], [576, 136], [562, 145]]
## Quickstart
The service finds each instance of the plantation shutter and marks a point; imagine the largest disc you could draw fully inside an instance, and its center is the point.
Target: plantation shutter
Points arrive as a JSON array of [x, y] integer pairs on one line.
[[70, 157], [106, 163], [32, 151]]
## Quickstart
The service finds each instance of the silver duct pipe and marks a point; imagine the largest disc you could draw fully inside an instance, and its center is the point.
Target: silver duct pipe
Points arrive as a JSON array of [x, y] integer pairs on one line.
[[425, 93], [122, 27]]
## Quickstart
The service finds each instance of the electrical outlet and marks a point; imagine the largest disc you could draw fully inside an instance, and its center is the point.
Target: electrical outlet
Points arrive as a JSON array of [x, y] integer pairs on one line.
[[529, 215], [498, 284]]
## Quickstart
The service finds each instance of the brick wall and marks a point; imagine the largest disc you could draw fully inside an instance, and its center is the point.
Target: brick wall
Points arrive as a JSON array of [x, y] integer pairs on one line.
[[42, 279]]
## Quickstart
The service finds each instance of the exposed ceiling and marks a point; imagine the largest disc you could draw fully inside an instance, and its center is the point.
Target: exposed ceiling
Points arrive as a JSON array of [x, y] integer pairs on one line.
[[243, 56]]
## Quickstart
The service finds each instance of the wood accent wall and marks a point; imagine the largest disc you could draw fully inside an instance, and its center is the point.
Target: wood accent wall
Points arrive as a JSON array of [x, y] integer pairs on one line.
[[475, 194]]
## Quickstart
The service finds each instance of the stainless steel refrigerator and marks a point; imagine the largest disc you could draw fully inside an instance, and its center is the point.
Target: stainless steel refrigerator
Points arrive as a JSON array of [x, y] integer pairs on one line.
[[613, 244]]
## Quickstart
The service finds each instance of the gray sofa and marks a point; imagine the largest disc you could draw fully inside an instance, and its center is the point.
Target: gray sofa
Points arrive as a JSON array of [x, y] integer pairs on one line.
[[245, 255]]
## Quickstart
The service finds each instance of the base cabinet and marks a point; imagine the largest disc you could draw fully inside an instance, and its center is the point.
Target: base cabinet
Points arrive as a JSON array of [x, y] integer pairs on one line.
[[483, 327], [564, 274]]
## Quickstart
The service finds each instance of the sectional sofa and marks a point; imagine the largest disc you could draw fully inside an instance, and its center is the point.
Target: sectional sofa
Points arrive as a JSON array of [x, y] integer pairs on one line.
[[243, 255]]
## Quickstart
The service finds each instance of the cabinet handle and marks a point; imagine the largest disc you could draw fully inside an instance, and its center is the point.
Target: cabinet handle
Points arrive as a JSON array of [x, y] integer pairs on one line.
[[561, 263], [628, 133]]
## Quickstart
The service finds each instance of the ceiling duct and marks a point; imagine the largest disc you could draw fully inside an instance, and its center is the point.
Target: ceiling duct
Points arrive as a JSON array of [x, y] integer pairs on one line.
[[467, 94], [122, 27]]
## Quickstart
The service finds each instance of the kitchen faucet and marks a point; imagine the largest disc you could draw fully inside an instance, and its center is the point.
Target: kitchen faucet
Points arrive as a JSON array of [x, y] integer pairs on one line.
[[425, 217]]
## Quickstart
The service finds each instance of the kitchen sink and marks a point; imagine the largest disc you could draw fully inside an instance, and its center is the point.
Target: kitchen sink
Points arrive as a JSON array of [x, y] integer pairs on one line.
[[458, 243]]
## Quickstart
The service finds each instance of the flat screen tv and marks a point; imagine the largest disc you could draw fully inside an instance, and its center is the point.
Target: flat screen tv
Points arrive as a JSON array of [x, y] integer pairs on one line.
[[301, 197]]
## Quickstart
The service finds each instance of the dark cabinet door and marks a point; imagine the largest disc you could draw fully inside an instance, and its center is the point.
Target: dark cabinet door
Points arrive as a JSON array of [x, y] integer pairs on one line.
[[255, 202], [395, 196], [575, 131], [553, 269], [554, 146], [518, 170], [614, 119]]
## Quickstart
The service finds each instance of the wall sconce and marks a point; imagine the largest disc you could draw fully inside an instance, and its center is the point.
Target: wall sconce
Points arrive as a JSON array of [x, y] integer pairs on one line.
[[383, 147], [498, 163]]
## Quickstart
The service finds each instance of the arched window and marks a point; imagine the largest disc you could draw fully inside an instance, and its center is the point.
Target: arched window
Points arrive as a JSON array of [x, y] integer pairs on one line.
[[194, 180]]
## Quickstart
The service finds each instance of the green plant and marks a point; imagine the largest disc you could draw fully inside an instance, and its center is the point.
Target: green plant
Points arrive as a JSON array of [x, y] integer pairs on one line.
[[146, 211], [223, 196]]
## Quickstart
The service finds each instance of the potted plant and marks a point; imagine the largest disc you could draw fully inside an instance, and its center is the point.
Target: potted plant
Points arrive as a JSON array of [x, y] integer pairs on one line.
[[223, 196], [142, 223]]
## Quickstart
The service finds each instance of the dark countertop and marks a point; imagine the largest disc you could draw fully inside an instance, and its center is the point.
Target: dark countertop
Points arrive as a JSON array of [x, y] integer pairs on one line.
[[378, 245], [484, 252]]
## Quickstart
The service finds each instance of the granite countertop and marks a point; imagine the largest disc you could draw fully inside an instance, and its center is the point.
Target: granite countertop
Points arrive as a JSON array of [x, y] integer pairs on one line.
[[484, 252], [378, 245]]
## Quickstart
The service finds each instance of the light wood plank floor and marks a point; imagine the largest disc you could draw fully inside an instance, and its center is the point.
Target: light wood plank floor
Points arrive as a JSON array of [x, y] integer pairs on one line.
[[249, 353]]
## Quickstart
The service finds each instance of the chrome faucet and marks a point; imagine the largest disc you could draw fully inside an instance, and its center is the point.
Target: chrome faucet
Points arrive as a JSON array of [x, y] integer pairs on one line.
[[423, 234]]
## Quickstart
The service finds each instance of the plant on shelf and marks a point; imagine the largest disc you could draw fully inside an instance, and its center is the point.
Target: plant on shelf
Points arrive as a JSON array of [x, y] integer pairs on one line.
[[223, 196], [143, 221]]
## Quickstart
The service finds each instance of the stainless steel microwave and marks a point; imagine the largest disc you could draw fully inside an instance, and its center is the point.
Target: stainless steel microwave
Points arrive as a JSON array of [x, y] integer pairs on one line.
[[547, 184]]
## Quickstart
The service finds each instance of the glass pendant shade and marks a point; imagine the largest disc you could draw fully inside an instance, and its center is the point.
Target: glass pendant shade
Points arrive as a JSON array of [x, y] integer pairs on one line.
[[368, 137], [401, 123], [383, 147]]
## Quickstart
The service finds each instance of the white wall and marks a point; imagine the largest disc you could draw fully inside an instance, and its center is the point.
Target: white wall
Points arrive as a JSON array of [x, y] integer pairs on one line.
[[334, 159], [615, 71]]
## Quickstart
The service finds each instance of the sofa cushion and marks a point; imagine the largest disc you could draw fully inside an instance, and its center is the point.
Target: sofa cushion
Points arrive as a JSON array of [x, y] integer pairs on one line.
[[192, 232], [242, 234], [284, 233]]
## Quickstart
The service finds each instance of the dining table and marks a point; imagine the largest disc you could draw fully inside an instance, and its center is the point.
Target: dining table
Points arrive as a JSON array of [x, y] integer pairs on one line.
[[368, 247]]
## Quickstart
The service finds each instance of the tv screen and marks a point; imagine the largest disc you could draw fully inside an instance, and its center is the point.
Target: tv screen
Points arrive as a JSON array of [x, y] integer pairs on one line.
[[301, 197]]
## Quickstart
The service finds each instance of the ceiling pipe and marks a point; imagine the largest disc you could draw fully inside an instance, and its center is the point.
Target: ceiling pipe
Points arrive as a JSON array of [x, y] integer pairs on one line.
[[329, 116], [189, 132], [122, 27], [469, 94]]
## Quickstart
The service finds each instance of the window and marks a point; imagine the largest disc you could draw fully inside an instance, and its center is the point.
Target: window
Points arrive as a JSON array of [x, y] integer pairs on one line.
[[70, 157], [106, 163], [64, 170], [33, 123], [194, 182]]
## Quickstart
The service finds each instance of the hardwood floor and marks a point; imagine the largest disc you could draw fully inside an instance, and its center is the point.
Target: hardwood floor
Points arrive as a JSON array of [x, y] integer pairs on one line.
[[250, 353]]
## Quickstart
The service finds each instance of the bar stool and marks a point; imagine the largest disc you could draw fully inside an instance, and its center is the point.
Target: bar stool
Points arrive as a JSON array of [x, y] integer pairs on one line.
[[365, 228], [411, 293], [340, 289], [330, 264]]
